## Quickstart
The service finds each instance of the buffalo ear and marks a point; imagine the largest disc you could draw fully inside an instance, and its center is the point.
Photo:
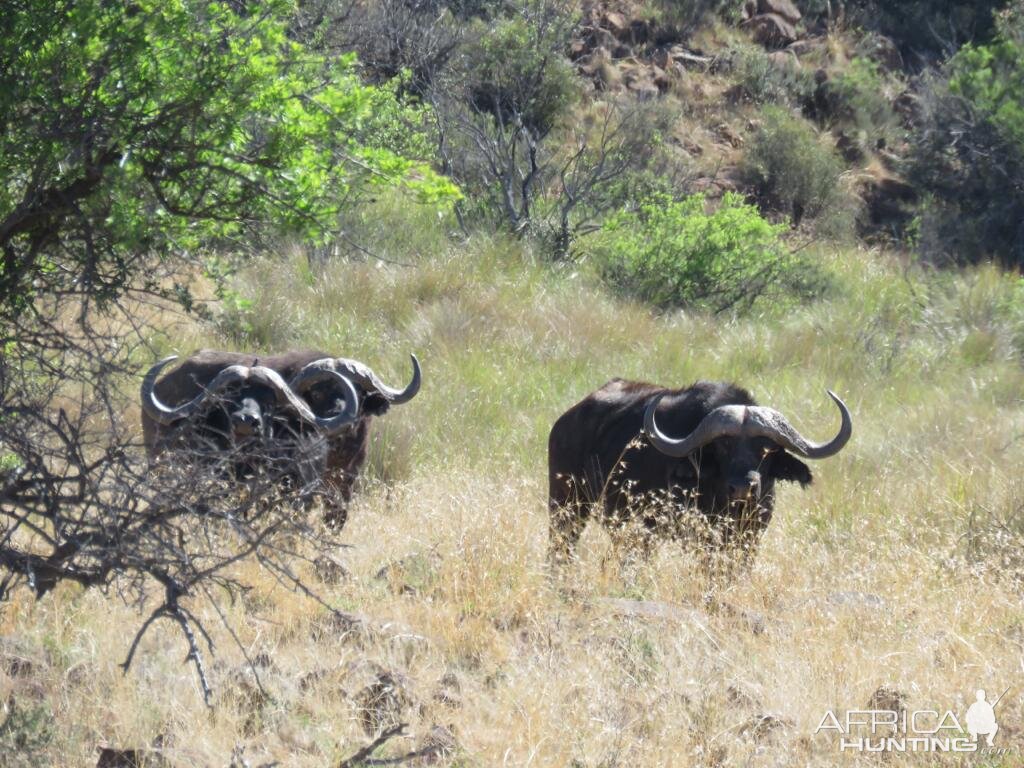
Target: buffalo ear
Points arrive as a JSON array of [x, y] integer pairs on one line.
[[785, 466], [375, 405]]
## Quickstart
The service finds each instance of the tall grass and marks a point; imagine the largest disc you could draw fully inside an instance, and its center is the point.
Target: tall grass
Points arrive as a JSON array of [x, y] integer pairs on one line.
[[898, 567]]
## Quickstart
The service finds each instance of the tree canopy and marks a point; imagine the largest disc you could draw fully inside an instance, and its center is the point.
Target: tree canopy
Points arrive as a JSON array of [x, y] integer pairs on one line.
[[152, 127]]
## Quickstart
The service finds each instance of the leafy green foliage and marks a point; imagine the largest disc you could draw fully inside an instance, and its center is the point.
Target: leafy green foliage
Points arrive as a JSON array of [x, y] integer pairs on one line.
[[792, 168], [687, 15], [518, 71], [675, 254], [137, 139], [762, 80], [25, 734], [969, 152], [927, 28], [862, 95], [154, 127], [991, 78]]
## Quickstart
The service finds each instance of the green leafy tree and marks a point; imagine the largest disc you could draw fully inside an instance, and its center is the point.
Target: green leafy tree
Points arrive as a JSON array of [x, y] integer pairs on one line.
[[968, 153], [146, 129], [924, 30], [135, 138], [500, 107], [518, 70], [991, 78]]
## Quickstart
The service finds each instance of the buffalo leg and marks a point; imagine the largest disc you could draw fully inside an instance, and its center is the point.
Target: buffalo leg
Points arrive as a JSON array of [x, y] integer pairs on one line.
[[567, 517], [339, 493]]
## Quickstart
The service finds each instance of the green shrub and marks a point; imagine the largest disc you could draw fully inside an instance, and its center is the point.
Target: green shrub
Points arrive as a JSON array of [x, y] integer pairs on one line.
[[688, 15], [25, 734], [762, 80], [925, 29], [793, 170], [675, 254], [968, 153], [861, 95], [517, 69]]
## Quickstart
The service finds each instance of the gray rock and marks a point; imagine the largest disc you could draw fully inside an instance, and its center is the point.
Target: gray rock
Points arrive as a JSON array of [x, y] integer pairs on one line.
[[771, 30], [783, 8]]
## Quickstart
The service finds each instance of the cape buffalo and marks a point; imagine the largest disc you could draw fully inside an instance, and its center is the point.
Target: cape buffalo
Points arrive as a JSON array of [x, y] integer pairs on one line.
[[317, 382], [723, 466]]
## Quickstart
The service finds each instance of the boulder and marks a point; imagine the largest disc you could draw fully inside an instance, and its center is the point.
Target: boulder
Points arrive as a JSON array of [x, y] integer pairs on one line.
[[785, 60], [783, 8], [885, 51], [771, 30], [639, 79], [616, 23]]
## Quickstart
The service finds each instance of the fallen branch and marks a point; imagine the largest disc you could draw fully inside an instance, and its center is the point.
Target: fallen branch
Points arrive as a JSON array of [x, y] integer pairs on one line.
[[360, 757]]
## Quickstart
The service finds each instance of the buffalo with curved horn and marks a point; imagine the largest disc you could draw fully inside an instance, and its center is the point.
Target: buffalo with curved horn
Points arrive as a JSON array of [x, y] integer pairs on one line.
[[245, 415], [314, 387], [615, 450]]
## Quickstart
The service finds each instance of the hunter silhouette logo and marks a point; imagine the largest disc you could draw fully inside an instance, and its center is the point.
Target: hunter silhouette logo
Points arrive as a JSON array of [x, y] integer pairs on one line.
[[981, 717]]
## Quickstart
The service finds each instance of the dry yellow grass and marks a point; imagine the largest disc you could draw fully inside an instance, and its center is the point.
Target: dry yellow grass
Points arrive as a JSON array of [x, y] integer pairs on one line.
[[900, 567]]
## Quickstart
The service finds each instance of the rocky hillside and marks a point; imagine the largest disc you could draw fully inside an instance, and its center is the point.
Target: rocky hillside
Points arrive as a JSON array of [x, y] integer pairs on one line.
[[718, 73]]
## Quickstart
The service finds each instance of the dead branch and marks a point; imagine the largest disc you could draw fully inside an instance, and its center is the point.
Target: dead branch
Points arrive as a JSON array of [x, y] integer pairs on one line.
[[361, 755]]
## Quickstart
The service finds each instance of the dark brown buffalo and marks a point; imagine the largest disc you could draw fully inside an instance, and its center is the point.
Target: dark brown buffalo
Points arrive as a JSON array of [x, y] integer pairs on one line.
[[723, 466], [319, 382]]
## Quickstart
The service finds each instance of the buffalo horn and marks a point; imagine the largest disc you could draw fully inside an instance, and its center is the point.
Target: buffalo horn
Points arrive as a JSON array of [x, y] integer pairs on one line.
[[361, 375], [166, 415], [748, 421]]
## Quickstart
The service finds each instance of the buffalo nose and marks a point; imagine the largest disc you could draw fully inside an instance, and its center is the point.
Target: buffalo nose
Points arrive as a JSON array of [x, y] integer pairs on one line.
[[246, 423], [744, 488]]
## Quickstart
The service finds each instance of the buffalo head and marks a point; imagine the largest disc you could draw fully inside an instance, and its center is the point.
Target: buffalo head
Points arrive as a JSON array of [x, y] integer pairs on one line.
[[318, 381], [250, 396], [737, 452]]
